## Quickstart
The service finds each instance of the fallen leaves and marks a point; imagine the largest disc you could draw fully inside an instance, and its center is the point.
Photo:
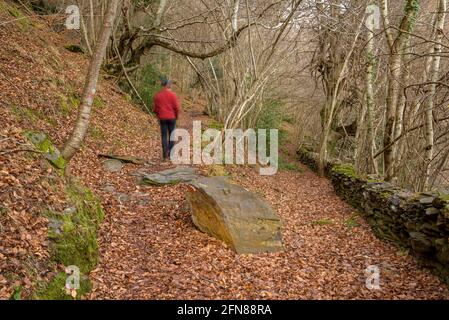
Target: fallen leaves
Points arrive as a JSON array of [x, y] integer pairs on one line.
[[153, 250]]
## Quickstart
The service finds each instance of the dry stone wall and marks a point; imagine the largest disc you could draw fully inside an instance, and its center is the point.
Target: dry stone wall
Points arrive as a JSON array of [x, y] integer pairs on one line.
[[418, 222]]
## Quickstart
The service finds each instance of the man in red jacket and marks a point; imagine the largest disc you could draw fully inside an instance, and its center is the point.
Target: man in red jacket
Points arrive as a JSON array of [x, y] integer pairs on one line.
[[166, 107]]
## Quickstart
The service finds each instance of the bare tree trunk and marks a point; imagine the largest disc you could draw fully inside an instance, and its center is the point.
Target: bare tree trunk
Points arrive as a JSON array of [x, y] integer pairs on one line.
[[332, 104], [235, 15], [395, 65], [439, 168], [401, 104], [394, 72], [92, 23], [434, 74], [369, 81], [360, 138], [160, 13], [82, 124], [84, 29]]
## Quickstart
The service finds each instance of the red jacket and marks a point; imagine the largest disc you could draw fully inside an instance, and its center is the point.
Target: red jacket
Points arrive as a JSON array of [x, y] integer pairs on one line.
[[166, 105]]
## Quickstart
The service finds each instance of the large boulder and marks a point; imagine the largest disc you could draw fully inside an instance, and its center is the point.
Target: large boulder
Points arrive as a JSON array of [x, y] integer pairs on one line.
[[234, 215]]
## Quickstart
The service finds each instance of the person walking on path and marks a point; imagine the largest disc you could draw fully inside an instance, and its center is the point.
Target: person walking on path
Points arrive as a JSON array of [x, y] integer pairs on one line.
[[166, 107]]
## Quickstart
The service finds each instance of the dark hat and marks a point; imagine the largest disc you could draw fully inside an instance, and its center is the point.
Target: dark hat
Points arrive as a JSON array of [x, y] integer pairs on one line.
[[165, 81]]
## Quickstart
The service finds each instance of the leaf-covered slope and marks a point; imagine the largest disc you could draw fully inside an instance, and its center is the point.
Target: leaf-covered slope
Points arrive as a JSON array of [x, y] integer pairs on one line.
[[40, 87]]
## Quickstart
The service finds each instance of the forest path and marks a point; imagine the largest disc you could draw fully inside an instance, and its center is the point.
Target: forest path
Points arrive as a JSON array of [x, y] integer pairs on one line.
[[151, 249]]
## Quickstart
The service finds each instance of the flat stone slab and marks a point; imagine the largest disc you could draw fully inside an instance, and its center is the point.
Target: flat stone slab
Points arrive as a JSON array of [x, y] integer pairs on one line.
[[170, 176], [113, 165], [240, 218], [125, 159]]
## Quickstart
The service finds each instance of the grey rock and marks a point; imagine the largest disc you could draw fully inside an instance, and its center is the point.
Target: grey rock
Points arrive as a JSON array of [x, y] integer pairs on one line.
[[405, 194], [69, 211], [125, 159], [446, 211], [55, 225], [420, 242], [170, 176], [49, 150], [113, 165], [432, 211], [234, 215], [123, 197], [109, 188], [140, 195], [142, 199], [395, 201], [426, 200]]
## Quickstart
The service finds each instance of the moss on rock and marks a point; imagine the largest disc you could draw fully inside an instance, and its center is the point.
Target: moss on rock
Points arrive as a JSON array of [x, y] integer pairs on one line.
[[76, 244], [417, 223], [43, 144], [56, 289], [73, 242], [345, 169]]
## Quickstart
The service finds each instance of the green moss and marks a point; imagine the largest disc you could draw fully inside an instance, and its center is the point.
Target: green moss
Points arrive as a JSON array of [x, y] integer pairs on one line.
[[352, 222], [74, 48], [74, 243], [43, 144], [77, 243], [322, 222], [289, 166], [55, 289], [67, 104], [386, 195], [97, 133], [147, 83], [403, 252], [216, 170], [24, 113], [52, 122], [411, 6], [345, 169], [64, 106], [444, 197], [98, 103], [17, 294], [127, 97], [23, 21], [32, 116], [215, 125]]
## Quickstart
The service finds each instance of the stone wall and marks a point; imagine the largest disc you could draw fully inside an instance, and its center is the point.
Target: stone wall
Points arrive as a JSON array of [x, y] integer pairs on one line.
[[418, 222]]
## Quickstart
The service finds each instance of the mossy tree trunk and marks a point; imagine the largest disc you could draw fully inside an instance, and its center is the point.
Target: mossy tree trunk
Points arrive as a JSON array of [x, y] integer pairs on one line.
[[82, 124]]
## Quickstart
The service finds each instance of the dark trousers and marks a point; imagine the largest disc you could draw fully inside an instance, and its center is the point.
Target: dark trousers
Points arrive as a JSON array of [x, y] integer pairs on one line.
[[167, 127]]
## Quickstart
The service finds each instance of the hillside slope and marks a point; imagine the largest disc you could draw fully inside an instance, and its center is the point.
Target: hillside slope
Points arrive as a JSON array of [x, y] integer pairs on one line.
[[40, 87]]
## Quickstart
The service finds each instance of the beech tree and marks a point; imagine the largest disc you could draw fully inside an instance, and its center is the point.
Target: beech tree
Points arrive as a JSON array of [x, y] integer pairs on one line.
[[76, 139]]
